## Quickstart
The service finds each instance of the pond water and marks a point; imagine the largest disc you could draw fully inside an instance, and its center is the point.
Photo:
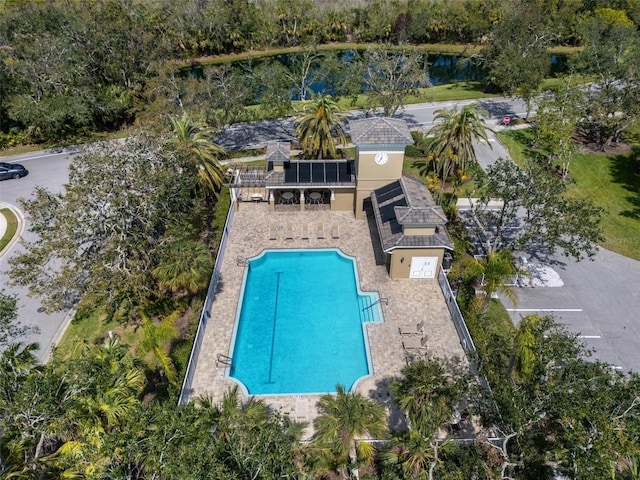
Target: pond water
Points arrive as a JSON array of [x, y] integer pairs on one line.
[[318, 78]]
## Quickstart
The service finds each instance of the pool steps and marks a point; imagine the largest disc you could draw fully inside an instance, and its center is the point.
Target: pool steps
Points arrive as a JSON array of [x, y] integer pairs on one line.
[[368, 314]]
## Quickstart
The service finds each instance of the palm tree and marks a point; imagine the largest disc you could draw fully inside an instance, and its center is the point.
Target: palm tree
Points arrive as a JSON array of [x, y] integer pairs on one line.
[[415, 456], [16, 362], [630, 468], [317, 127], [231, 413], [184, 265], [498, 269], [194, 138], [527, 343], [343, 418], [494, 272], [428, 395], [156, 337], [454, 133]]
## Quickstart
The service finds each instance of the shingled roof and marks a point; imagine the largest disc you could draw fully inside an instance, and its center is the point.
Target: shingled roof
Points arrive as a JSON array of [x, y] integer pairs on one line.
[[278, 152], [380, 131], [408, 203]]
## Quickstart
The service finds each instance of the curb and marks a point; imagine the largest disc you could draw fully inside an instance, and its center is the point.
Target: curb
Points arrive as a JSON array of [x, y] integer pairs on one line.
[[68, 318]]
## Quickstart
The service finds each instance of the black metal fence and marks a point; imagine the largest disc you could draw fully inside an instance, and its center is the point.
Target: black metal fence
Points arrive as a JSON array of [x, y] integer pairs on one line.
[[205, 315]]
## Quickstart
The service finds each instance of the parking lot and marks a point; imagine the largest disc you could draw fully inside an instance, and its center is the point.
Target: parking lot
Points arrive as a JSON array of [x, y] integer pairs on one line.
[[599, 300]]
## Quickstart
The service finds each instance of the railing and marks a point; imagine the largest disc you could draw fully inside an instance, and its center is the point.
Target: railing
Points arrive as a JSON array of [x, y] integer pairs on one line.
[[222, 359], [186, 390], [380, 300], [458, 320], [463, 333]]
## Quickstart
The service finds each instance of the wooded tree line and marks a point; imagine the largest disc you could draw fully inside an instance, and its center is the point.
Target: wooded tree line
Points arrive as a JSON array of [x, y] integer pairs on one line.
[[68, 67]]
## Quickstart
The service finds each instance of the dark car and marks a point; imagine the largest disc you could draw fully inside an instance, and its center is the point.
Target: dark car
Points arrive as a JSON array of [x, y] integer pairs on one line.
[[12, 170]]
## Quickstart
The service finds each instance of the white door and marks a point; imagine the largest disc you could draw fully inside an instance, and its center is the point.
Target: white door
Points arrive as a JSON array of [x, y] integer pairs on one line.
[[423, 267]]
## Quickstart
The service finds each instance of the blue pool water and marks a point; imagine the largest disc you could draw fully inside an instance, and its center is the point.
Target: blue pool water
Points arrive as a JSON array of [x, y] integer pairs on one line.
[[300, 323]]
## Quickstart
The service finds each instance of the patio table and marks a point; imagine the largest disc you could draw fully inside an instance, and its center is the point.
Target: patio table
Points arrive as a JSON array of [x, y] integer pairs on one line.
[[287, 197], [316, 197]]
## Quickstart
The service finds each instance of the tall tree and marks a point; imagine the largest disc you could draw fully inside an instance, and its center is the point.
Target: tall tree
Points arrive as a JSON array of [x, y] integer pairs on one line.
[[454, 133], [343, 418], [317, 127], [195, 140], [97, 238], [557, 121], [390, 76], [612, 105], [534, 213], [517, 58]]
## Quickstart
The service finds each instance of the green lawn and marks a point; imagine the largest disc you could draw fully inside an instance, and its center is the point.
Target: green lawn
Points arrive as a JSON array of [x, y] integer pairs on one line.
[[91, 325], [609, 182]]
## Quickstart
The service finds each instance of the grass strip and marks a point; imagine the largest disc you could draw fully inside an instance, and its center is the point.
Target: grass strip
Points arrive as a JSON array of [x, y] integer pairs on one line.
[[12, 227], [430, 48]]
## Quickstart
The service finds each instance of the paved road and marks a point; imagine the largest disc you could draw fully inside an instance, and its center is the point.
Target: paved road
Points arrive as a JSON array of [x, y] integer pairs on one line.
[[49, 170], [419, 117]]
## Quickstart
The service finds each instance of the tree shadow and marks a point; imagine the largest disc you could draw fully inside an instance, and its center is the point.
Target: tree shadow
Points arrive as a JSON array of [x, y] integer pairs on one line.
[[396, 420], [625, 171], [498, 109]]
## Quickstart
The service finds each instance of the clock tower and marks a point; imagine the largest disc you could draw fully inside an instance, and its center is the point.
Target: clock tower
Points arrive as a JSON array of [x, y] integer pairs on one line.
[[380, 144]]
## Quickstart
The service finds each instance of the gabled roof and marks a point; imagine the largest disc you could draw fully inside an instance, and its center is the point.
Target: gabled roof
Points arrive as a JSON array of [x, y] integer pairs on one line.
[[380, 131], [408, 203], [278, 152]]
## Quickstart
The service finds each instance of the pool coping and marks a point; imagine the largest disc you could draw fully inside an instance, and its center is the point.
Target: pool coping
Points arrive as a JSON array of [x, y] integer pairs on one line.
[[363, 325]]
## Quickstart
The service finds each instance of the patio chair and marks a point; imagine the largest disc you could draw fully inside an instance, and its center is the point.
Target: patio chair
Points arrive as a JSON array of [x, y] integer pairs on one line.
[[289, 232], [305, 231], [413, 344], [273, 231], [301, 410], [418, 330], [320, 231], [335, 233]]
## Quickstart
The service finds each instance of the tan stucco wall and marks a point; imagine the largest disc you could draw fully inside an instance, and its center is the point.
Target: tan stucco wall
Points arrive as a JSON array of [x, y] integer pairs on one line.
[[367, 168], [398, 269], [419, 230], [343, 200], [370, 175]]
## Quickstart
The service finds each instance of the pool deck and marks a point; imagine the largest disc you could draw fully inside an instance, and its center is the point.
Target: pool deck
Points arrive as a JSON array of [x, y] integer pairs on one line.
[[410, 301]]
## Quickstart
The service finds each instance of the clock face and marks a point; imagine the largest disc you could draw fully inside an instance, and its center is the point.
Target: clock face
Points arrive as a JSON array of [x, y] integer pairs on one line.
[[381, 158]]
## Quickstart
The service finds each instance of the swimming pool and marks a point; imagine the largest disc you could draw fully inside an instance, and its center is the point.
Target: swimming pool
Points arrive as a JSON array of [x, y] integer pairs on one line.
[[300, 323]]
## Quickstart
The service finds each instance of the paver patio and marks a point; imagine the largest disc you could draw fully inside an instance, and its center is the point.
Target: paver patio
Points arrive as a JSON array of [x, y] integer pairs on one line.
[[410, 301]]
